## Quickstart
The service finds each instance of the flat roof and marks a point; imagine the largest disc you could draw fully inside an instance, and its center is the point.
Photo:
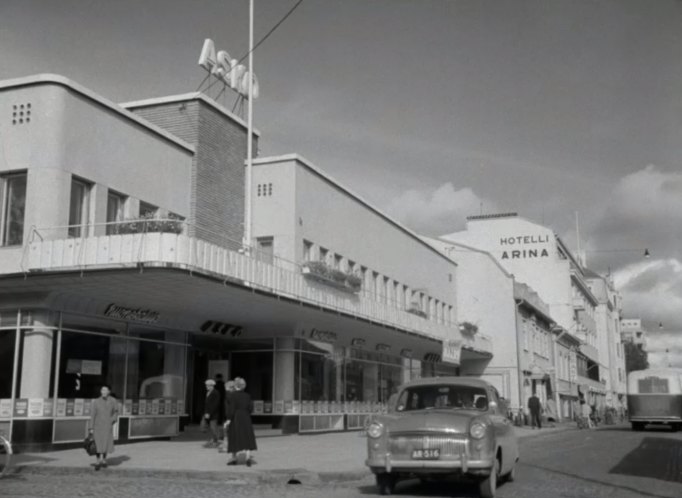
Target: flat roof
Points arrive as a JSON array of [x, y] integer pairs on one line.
[[56, 79], [184, 97], [326, 177]]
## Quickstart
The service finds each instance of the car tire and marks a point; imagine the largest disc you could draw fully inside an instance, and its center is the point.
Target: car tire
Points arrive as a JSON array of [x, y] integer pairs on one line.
[[386, 483], [638, 426], [488, 486]]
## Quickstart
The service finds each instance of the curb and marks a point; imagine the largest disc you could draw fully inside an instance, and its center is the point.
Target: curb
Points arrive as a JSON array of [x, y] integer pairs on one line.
[[271, 476]]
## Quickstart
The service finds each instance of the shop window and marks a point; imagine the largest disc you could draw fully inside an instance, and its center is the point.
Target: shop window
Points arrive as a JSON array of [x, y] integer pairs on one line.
[[321, 377], [155, 370], [12, 208], [115, 211], [7, 339], [87, 361]]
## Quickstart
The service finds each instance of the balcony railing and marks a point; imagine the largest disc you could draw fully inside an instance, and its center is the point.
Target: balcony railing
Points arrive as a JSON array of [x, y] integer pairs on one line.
[[183, 246]]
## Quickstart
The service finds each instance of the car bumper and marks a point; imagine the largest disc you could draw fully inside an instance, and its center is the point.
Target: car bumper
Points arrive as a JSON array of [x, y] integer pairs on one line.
[[387, 463]]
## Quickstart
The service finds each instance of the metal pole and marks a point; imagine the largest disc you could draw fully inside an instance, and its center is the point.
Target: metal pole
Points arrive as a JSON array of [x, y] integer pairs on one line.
[[249, 140]]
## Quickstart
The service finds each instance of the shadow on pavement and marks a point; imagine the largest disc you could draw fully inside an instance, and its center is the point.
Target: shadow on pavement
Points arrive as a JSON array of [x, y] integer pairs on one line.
[[437, 488], [655, 457], [117, 460]]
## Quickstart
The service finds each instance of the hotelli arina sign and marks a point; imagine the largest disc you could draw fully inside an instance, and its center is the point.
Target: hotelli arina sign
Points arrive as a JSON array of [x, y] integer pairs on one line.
[[524, 252]]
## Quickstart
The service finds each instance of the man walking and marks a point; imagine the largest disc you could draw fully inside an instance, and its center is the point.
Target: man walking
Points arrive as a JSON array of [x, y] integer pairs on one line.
[[535, 407], [212, 413]]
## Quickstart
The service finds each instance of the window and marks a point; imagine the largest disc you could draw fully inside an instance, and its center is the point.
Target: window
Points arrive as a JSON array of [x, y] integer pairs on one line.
[[13, 208], [338, 262], [307, 250], [79, 208], [265, 249], [148, 210], [115, 210], [443, 397], [324, 254]]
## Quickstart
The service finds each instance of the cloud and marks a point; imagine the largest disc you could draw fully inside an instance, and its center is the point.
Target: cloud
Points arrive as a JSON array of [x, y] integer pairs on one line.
[[652, 290], [643, 211], [438, 211]]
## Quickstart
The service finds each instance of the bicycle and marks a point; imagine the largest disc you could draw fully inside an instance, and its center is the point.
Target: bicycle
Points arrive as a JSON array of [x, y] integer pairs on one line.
[[5, 454]]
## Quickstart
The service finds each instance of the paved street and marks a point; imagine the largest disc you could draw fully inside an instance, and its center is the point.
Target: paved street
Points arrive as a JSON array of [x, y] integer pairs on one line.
[[612, 462]]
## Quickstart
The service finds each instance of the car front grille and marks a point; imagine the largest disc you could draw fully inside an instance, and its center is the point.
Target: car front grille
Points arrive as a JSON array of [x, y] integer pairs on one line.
[[402, 445]]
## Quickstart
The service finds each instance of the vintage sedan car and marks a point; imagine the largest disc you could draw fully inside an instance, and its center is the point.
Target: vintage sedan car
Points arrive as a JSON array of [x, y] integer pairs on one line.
[[444, 426]]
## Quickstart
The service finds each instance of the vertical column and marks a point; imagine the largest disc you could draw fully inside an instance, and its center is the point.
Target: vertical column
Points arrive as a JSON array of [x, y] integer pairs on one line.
[[285, 371], [36, 360]]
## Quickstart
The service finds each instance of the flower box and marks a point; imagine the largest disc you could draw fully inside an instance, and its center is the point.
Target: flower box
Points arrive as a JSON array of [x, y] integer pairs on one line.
[[321, 272]]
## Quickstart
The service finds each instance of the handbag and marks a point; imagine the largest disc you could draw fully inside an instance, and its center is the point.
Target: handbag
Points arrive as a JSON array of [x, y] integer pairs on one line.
[[89, 445]]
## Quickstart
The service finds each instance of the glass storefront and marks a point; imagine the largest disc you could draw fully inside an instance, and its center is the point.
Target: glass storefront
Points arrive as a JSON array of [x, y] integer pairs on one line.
[[156, 373]]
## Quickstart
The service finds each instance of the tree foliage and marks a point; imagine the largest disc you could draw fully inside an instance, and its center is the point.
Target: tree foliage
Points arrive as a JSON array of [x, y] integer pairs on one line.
[[636, 358]]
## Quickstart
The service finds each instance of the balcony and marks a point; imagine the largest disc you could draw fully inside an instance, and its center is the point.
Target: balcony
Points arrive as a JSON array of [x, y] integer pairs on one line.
[[50, 250]]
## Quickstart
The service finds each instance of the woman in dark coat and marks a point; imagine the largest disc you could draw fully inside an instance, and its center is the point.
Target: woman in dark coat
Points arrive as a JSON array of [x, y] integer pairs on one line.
[[104, 414], [240, 436]]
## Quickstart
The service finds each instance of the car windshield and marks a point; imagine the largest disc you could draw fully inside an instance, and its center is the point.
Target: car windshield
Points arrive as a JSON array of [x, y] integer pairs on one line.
[[442, 397]]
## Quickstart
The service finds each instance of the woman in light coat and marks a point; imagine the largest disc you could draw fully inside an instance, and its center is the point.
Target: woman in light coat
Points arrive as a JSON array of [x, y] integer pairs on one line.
[[104, 414]]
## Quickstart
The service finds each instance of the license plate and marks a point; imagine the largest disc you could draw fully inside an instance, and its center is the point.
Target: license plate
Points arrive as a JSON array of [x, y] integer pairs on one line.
[[433, 454]]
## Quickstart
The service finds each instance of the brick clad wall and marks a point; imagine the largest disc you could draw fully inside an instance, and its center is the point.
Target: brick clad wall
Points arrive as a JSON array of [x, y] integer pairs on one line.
[[217, 197]]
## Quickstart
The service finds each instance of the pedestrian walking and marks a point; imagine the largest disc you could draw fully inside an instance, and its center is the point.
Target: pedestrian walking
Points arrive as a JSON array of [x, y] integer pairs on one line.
[[211, 413], [229, 389], [586, 414], [535, 407], [103, 416], [240, 431]]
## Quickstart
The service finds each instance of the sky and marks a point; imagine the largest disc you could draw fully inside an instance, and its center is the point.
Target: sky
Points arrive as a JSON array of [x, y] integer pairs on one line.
[[432, 109]]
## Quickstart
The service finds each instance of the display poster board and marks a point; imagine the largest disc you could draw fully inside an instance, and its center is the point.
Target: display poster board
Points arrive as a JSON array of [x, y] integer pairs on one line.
[[35, 407], [5, 408], [258, 407]]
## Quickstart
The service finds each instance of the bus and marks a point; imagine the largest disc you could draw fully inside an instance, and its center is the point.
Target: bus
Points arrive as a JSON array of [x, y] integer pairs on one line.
[[655, 397]]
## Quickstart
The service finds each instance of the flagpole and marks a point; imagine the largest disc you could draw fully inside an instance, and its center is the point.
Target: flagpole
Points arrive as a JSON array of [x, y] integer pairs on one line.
[[249, 140]]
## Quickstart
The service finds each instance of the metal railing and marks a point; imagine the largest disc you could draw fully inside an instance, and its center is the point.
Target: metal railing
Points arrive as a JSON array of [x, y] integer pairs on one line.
[[154, 242]]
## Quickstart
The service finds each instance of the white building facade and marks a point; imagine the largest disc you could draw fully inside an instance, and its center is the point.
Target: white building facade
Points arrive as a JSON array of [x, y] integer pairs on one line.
[[535, 256], [122, 263]]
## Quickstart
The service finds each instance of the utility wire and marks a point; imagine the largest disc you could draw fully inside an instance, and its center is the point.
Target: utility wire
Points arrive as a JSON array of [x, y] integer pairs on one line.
[[267, 35]]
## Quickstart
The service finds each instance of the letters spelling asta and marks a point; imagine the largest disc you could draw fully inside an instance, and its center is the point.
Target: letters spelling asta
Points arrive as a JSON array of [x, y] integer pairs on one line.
[[525, 253], [227, 69]]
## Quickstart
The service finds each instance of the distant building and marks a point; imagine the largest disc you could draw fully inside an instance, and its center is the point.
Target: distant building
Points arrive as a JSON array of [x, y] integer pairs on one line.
[[631, 330]]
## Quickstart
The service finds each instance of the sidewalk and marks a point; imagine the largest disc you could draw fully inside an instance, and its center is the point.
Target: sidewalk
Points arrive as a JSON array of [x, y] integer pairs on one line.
[[310, 459]]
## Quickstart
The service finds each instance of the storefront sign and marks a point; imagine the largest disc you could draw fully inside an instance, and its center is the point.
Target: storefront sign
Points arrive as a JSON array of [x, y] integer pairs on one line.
[[227, 69], [452, 350], [221, 328], [323, 335], [133, 314], [5, 408], [35, 407]]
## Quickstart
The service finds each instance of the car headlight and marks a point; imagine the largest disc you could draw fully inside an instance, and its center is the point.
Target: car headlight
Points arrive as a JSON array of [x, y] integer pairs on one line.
[[477, 430], [375, 430]]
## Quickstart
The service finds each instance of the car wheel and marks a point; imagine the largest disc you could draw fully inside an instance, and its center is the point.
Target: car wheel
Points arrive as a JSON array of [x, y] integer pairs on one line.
[[637, 426], [386, 483], [488, 486]]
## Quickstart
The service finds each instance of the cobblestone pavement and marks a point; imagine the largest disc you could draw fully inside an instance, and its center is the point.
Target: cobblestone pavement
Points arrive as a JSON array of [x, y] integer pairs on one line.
[[610, 463]]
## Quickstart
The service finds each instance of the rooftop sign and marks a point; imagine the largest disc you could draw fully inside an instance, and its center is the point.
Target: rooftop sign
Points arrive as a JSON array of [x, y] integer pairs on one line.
[[227, 69]]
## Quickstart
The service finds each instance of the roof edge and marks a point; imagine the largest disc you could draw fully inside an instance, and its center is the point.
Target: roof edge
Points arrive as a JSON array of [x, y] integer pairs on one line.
[[316, 170], [183, 97], [56, 79]]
